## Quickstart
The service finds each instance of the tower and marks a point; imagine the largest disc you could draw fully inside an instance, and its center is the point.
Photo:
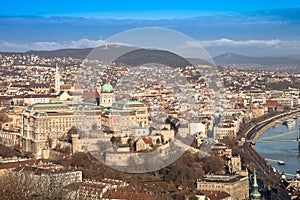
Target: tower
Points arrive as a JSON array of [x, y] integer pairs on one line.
[[98, 88], [107, 97], [97, 94], [251, 103], [57, 79], [75, 143], [255, 194]]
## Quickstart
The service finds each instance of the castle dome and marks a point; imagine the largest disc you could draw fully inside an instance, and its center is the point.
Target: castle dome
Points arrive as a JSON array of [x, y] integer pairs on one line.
[[107, 88]]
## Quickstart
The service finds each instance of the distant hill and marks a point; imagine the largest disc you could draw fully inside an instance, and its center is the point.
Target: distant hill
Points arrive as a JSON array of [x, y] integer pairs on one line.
[[75, 53], [134, 56], [231, 58], [143, 56], [139, 56]]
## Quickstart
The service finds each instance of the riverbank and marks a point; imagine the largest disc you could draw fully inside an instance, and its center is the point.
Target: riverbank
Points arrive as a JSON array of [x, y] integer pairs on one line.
[[284, 149], [264, 169], [263, 129], [258, 129]]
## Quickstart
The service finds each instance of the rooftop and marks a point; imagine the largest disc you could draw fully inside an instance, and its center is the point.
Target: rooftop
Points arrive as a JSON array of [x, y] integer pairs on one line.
[[45, 106], [222, 178], [126, 104], [107, 88]]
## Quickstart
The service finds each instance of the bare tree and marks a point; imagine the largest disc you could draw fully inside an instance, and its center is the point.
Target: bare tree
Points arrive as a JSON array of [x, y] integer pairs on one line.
[[213, 164], [15, 186]]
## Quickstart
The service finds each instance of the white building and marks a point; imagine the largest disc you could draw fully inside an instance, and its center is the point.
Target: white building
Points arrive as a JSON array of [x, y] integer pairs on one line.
[[225, 130], [197, 127]]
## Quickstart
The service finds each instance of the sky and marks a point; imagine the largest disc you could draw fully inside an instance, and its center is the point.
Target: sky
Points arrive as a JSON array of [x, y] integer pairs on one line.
[[137, 9], [256, 27]]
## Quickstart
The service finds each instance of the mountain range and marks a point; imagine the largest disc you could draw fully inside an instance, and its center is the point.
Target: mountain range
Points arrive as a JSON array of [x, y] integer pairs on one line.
[[223, 59], [231, 58]]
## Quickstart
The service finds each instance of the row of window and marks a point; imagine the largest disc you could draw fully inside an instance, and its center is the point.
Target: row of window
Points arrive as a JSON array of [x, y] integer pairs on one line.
[[206, 186]]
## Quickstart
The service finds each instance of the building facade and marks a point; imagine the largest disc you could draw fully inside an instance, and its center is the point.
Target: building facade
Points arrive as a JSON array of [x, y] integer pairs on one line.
[[106, 95], [236, 186], [43, 124], [125, 114], [225, 130]]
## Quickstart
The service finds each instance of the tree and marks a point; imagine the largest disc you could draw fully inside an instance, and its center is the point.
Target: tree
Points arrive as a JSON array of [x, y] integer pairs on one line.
[[4, 118], [230, 142], [116, 140], [6, 152], [130, 142], [73, 131], [157, 141], [185, 170], [15, 186], [213, 164]]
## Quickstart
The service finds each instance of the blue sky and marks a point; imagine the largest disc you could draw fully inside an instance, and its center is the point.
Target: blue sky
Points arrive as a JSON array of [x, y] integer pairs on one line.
[[256, 27], [138, 8]]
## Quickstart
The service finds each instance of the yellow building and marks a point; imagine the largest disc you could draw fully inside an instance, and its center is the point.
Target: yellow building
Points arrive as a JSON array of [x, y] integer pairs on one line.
[[125, 114], [225, 130], [235, 163], [42, 124], [40, 88], [236, 186]]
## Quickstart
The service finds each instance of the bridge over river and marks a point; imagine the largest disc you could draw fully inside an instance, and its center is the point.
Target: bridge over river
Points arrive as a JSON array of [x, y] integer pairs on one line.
[[288, 136]]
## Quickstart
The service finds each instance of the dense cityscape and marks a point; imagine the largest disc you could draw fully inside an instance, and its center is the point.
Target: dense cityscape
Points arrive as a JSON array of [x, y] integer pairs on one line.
[[144, 100], [122, 147]]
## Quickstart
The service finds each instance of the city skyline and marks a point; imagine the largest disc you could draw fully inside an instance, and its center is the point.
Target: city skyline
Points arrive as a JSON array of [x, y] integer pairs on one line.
[[150, 99]]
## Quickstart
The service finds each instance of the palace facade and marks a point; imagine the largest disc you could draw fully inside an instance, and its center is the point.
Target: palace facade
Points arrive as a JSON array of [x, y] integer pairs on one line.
[[43, 124]]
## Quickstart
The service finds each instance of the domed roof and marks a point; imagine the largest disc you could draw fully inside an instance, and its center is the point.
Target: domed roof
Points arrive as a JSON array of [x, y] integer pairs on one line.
[[107, 88]]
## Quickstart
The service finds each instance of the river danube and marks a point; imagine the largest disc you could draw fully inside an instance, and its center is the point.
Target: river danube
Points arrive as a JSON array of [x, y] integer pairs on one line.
[[285, 151]]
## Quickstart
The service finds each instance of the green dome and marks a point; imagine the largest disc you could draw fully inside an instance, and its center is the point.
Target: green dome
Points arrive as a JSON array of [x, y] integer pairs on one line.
[[107, 88]]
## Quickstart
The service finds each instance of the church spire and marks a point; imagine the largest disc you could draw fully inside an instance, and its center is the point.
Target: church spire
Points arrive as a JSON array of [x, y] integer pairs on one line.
[[57, 79], [255, 194]]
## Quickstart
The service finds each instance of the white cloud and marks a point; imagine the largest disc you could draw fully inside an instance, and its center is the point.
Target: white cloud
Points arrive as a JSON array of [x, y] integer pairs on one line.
[[229, 42], [247, 47], [221, 45], [84, 43], [46, 45]]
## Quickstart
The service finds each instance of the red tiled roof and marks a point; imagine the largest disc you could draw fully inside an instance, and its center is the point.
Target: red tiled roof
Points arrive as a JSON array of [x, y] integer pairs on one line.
[[127, 193], [10, 165], [90, 95], [271, 102], [145, 140], [6, 97], [92, 185]]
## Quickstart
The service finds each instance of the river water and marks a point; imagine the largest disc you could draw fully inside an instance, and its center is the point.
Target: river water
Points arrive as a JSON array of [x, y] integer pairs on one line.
[[285, 151]]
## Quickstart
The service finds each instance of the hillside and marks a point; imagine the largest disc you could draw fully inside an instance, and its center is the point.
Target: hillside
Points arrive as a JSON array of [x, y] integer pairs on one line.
[[75, 53], [144, 56], [140, 56], [231, 58]]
